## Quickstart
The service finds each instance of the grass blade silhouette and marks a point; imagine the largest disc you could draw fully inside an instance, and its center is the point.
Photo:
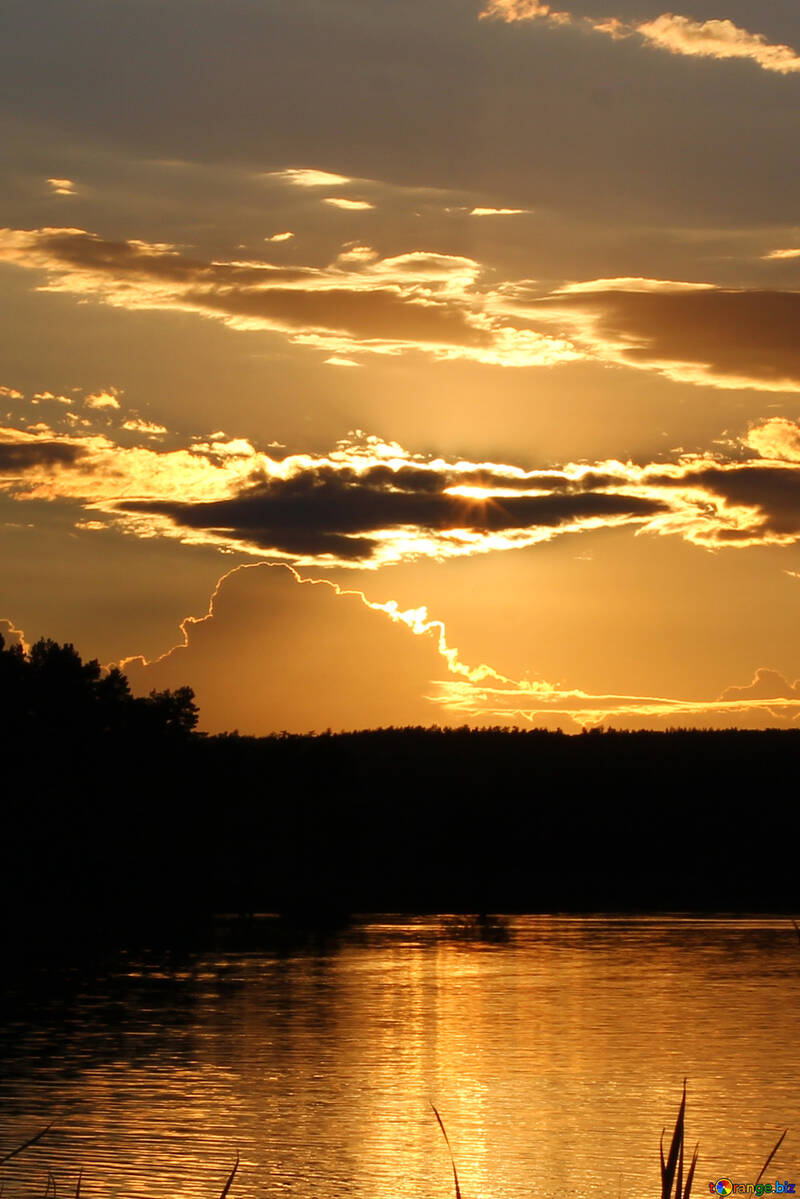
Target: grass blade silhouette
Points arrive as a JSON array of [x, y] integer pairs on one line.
[[78, 1187], [668, 1168], [25, 1145], [690, 1176], [774, 1151], [231, 1177], [449, 1150]]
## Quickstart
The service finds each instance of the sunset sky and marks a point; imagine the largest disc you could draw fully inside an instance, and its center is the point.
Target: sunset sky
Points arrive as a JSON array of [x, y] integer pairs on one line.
[[371, 362]]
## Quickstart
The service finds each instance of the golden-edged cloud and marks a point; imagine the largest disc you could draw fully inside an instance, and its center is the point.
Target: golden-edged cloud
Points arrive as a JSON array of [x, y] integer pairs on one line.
[[348, 205], [443, 305], [389, 665], [692, 333], [419, 301], [369, 503], [677, 34]]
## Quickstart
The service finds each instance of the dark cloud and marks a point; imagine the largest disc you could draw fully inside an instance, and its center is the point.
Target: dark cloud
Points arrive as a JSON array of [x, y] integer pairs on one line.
[[734, 334], [22, 456], [331, 510], [773, 490]]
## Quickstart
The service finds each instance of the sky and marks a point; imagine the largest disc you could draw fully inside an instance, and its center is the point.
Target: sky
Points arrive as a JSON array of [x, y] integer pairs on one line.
[[407, 362]]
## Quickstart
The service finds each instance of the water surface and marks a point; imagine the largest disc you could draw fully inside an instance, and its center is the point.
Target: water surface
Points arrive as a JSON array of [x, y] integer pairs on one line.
[[554, 1048]]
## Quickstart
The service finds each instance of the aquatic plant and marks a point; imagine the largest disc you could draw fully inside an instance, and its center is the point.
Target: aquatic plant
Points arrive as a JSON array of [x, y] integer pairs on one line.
[[673, 1184]]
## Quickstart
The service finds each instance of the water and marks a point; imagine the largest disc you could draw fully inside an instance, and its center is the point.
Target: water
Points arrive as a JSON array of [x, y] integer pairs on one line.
[[554, 1048]]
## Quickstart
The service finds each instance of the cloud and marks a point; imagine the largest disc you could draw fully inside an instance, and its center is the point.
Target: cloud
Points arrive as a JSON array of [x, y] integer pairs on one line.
[[144, 426], [766, 684], [103, 399], [10, 393], [62, 187], [418, 301], [276, 651], [781, 254], [307, 177], [523, 10], [717, 39], [11, 634], [676, 34], [441, 305], [370, 503], [341, 362], [50, 396], [498, 211], [18, 458], [777, 438], [280, 237], [350, 205], [692, 333]]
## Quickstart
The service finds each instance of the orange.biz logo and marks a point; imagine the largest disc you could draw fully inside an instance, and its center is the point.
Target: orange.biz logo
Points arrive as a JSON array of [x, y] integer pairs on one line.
[[725, 1186]]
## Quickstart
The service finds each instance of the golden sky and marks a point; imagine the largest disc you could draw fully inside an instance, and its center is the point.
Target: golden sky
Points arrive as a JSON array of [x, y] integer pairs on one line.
[[370, 364]]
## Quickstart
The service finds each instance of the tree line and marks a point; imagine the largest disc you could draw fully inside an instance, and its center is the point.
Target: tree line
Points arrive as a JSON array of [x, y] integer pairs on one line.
[[49, 690]]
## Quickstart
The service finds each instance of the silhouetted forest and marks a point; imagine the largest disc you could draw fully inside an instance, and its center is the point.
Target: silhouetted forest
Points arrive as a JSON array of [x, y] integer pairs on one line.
[[120, 821]]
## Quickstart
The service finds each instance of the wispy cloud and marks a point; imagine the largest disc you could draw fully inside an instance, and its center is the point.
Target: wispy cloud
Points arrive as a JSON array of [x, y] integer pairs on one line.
[[62, 187], [524, 10], [350, 205], [719, 39], [418, 301], [689, 332], [151, 428], [442, 305], [498, 211], [308, 177]]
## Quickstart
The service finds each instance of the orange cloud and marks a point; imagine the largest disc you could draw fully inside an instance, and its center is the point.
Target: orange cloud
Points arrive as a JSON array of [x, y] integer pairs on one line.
[[62, 187], [717, 39], [350, 205], [330, 649], [438, 304], [523, 10], [369, 503], [419, 301], [777, 438], [671, 32], [498, 211], [103, 399], [690, 332]]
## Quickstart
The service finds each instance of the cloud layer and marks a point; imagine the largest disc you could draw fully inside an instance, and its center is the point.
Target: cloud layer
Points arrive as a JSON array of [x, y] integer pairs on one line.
[[371, 503], [439, 305]]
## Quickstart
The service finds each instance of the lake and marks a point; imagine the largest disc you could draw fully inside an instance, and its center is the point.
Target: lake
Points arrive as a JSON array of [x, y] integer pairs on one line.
[[554, 1048]]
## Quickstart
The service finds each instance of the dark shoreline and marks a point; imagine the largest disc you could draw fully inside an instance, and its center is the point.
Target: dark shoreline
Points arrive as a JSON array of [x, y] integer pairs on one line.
[[116, 841]]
